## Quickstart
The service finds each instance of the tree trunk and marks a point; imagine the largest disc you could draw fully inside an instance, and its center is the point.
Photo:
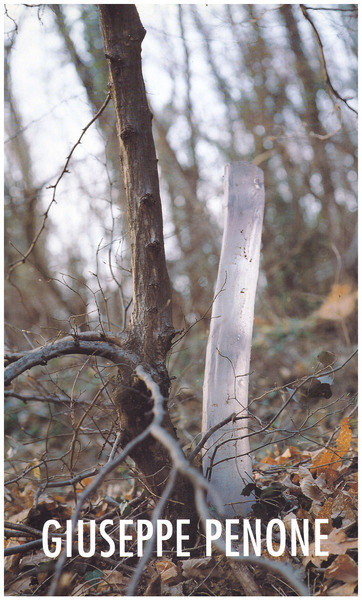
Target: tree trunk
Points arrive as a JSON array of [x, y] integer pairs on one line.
[[227, 459], [150, 331], [311, 81]]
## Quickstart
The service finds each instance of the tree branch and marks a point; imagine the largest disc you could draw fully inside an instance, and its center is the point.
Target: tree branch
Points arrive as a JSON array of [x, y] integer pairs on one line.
[[325, 70], [21, 362], [54, 187], [181, 464]]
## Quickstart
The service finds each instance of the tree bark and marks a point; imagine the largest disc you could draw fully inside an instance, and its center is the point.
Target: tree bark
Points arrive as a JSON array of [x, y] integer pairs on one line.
[[150, 331]]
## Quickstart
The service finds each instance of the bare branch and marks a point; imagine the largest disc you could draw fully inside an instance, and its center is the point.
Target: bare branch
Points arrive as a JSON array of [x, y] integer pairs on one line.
[[48, 399], [336, 9], [23, 548], [180, 464], [68, 345], [54, 187], [201, 485], [208, 434], [325, 70], [157, 514], [88, 492]]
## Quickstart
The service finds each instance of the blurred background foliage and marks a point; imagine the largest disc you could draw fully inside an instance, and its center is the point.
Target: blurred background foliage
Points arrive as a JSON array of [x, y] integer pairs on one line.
[[225, 83]]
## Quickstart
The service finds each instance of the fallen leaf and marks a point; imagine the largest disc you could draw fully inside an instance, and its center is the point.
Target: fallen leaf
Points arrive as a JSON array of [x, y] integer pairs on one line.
[[337, 543], [339, 304], [327, 461], [343, 568], [347, 589], [21, 587], [326, 513], [196, 568], [268, 460], [170, 573], [284, 557], [344, 438], [309, 487], [154, 587], [114, 579], [326, 358]]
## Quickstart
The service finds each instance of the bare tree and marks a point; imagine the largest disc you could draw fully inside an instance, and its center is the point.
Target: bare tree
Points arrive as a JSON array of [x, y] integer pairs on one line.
[[150, 332]]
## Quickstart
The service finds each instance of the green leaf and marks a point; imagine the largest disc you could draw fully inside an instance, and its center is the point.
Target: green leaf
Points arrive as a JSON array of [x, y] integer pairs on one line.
[[90, 575]]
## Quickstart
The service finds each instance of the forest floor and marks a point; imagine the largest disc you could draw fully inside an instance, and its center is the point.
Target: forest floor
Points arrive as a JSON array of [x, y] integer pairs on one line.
[[308, 476]]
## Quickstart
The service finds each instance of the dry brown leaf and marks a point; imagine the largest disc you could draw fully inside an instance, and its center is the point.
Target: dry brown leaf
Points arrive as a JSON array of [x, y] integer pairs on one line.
[[326, 460], [309, 487], [302, 513], [21, 587], [336, 544], [345, 505], [33, 559], [163, 565], [322, 482], [85, 482], [352, 482], [41, 576], [347, 589], [287, 519], [343, 568], [290, 454], [268, 460], [194, 568], [174, 591], [66, 580], [290, 485], [20, 499], [339, 304], [113, 578], [282, 558], [154, 586], [170, 573]]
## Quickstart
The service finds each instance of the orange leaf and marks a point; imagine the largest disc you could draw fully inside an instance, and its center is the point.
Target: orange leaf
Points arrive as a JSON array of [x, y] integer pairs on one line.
[[292, 452], [163, 565], [322, 462], [344, 438], [326, 513], [268, 460], [339, 304], [327, 460], [170, 573]]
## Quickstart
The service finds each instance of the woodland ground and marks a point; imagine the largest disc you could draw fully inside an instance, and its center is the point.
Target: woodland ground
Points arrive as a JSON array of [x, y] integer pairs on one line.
[[288, 481]]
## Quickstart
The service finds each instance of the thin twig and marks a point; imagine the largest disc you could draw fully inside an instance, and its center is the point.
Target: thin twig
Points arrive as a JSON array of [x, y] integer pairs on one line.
[[48, 399], [209, 433], [157, 514], [24, 257], [203, 316], [325, 70]]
